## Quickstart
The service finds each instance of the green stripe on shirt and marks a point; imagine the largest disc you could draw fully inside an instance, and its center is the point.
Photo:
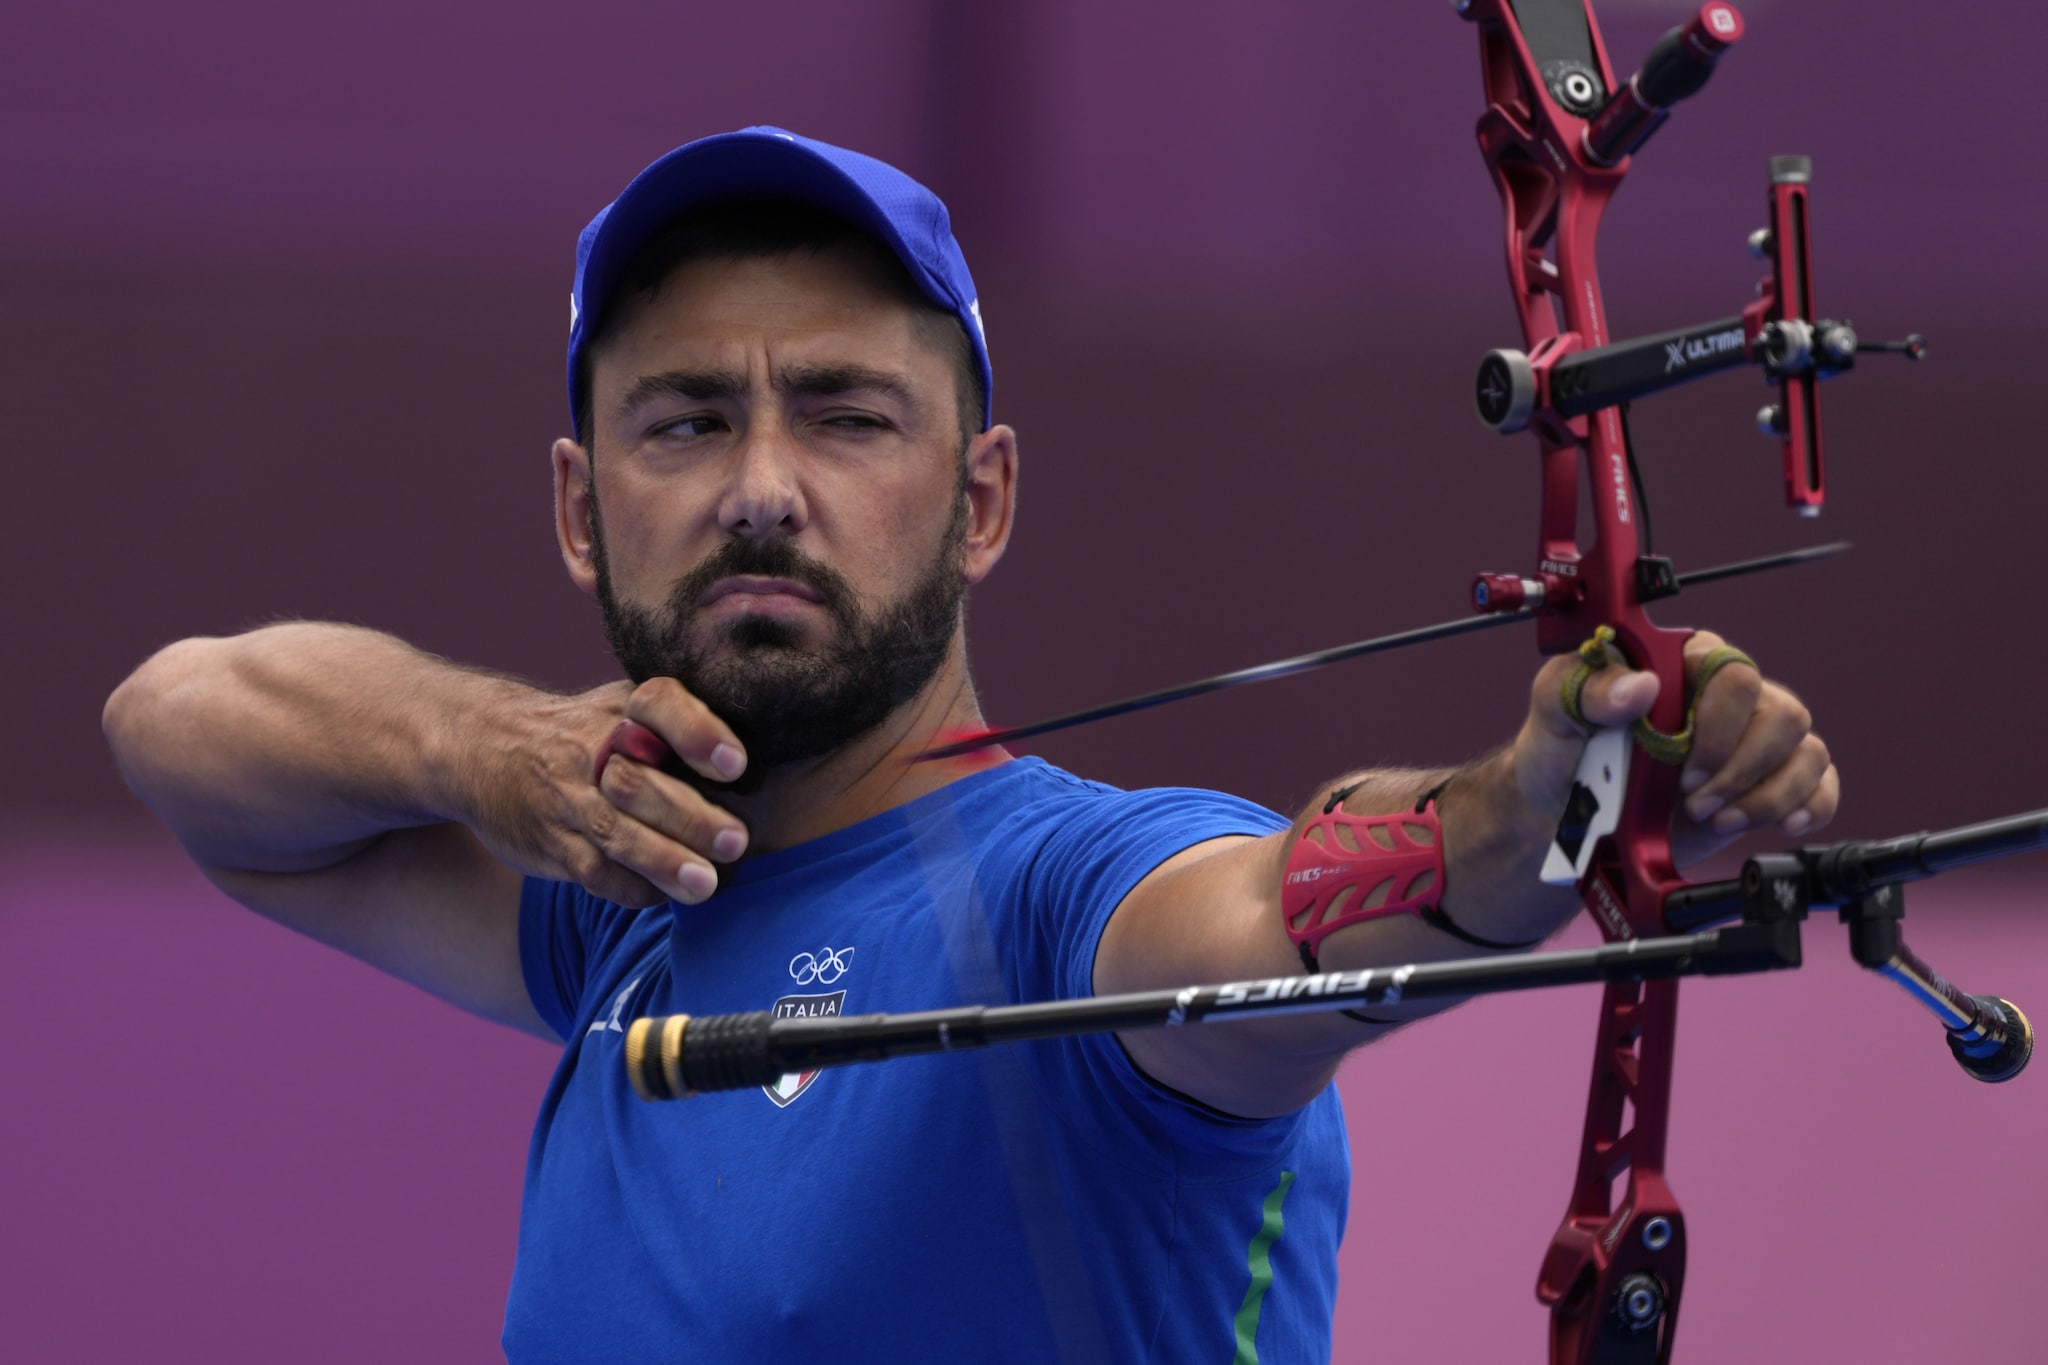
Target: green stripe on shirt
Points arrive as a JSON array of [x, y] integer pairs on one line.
[[1260, 1261]]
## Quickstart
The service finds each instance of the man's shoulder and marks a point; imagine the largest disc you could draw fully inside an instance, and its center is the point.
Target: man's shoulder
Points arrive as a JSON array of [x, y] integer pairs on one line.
[[1047, 818], [1046, 791]]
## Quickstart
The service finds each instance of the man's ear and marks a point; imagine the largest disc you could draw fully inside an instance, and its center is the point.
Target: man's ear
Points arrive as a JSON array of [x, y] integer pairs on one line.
[[573, 512], [991, 499]]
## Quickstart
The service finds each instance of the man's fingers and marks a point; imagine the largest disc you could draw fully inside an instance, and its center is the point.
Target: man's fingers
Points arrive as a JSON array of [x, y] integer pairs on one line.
[[1721, 712], [590, 869], [1819, 808], [1611, 696], [689, 727], [1549, 747], [631, 739], [1736, 746], [1616, 696], [681, 873], [1754, 759], [1799, 784], [674, 810]]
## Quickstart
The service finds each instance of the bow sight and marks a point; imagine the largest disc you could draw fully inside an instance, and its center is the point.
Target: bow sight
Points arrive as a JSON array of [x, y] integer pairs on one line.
[[1777, 332]]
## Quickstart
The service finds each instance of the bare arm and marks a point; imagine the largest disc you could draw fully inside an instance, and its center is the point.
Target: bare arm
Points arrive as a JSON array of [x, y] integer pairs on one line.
[[1213, 912], [385, 801]]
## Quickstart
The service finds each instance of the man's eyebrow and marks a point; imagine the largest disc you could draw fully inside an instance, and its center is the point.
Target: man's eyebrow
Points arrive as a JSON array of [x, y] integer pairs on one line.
[[698, 386], [826, 380]]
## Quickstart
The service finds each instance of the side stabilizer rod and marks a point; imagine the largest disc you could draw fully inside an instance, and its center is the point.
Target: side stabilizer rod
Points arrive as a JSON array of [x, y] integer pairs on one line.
[[1863, 880]]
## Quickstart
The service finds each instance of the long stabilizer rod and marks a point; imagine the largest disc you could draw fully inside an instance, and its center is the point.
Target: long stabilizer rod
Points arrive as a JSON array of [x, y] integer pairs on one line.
[[675, 1056]]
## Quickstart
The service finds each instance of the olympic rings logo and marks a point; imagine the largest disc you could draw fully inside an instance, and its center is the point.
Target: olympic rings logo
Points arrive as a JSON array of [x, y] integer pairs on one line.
[[824, 966]]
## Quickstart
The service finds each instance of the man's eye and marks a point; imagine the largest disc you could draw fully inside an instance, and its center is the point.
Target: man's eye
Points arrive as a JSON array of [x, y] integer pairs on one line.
[[699, 424], [855, 421]]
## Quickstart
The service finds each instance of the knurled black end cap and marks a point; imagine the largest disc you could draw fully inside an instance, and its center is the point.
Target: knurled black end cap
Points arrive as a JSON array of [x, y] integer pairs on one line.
[[729, 1052]]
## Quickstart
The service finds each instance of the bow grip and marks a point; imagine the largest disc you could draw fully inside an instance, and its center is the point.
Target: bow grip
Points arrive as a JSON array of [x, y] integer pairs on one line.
[[640, 744]]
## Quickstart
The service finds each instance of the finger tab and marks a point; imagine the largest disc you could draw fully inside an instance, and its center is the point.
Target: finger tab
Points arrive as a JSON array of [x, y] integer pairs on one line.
[[640, 744]]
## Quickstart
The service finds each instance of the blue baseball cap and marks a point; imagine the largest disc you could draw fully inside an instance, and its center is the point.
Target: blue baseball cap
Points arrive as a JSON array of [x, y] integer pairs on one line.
[[764, 161]]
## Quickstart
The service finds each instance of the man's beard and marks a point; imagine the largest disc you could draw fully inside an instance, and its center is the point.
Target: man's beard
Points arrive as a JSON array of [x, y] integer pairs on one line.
[[787, 703]]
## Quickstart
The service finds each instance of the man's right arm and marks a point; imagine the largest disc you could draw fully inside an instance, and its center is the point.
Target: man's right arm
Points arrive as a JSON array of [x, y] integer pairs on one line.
[[385, 801]]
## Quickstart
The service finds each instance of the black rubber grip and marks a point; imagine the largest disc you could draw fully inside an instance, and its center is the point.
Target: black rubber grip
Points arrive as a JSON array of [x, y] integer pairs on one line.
[[729, 1052], [1676, 67]]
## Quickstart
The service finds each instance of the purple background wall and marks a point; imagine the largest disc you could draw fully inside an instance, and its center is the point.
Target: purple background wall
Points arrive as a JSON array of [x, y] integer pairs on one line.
[[283, 306]]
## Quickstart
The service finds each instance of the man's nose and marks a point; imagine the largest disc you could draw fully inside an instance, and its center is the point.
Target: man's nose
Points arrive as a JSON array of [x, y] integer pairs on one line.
[[765, 494]]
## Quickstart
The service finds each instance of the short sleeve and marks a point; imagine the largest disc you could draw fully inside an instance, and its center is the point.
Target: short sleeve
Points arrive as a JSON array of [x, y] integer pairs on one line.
[[1095, 858], [563, 930], [1071, 864]]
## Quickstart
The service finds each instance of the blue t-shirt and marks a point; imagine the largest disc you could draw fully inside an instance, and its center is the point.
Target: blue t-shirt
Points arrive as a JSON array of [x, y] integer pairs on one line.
[[1040, 1202]]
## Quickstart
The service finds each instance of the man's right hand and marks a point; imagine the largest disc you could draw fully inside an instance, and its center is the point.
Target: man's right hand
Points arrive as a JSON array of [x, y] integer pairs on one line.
[[639, 836], [384, 801]]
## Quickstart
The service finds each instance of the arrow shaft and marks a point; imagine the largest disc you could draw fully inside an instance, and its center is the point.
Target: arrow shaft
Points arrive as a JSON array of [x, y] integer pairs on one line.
[[1303, 663]]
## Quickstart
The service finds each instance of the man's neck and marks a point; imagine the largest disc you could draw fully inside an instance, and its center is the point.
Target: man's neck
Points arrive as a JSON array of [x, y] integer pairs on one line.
[[878, 771]]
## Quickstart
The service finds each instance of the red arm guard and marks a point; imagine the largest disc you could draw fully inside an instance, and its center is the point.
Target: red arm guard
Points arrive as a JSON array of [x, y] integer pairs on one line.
[[1346, 869]]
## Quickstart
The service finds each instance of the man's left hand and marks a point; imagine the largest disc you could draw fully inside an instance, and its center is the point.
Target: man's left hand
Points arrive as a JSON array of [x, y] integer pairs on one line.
[[1755, 759]]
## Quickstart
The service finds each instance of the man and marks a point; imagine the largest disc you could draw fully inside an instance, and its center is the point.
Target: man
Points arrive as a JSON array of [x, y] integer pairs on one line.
[[782, 480]]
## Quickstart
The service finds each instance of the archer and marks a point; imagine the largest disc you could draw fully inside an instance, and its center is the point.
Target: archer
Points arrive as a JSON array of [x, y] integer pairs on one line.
[[784, 477]]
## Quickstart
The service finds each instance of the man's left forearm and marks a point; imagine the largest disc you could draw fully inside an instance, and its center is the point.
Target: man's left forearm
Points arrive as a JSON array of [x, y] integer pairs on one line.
[[1494, 843]]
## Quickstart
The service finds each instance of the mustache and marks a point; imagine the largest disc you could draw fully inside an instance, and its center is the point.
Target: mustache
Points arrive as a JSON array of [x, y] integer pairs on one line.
[[775, 558]]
